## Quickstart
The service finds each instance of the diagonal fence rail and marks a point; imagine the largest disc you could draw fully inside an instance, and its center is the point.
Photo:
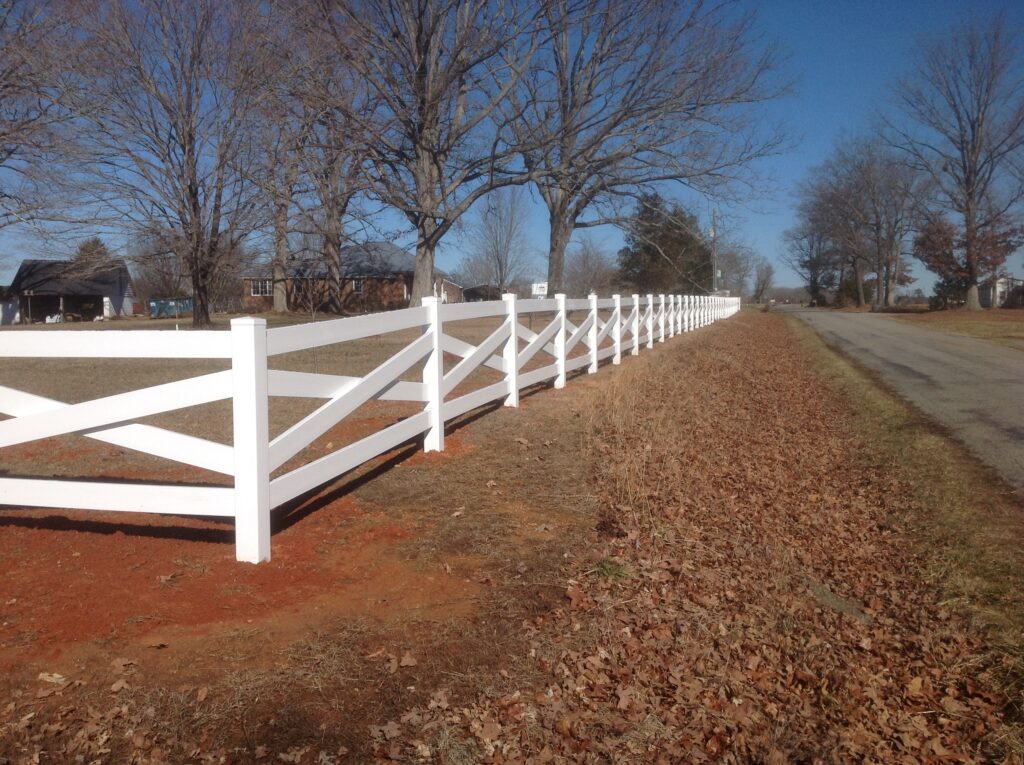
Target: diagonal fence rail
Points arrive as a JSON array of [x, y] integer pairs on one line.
[[576, 334]]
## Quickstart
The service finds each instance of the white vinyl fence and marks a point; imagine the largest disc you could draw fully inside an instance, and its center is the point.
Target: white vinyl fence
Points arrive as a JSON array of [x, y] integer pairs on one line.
[[611, 327]]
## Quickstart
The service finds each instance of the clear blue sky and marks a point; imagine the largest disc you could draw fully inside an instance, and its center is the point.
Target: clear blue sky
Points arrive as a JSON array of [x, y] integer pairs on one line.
[[842, 56]]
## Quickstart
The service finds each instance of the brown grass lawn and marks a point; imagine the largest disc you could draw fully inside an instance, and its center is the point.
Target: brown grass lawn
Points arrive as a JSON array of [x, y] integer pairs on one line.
[[1003, 325], [76, 380], [732, 549]]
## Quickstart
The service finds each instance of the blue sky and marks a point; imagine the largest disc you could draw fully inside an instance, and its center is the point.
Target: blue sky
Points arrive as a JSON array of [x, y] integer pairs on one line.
[[842, 57]]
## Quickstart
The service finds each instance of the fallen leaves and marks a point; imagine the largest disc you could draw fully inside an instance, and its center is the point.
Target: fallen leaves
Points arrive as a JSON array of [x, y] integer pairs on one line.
[[743, 489]]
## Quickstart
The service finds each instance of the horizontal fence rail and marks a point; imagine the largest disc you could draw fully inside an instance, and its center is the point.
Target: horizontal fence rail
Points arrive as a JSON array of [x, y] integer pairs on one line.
[[572, 334]]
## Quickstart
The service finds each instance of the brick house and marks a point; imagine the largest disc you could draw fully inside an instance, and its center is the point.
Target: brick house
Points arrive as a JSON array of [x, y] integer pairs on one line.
[[375, 276]]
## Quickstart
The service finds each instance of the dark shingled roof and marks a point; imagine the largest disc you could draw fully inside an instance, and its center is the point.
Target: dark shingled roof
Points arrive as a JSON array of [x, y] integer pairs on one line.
[[358, 261], [65, 277]]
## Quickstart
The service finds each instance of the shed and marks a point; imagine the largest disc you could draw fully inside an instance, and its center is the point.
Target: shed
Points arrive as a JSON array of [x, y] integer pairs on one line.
[[48, 288]]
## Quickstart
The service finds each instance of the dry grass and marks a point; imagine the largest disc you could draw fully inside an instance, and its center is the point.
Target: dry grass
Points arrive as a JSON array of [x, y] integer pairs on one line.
[[77, 380], [1004, 325], [969, 522]]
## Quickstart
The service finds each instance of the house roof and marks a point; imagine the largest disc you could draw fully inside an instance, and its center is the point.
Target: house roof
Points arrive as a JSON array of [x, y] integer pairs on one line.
[[358, 261], [66, 277]]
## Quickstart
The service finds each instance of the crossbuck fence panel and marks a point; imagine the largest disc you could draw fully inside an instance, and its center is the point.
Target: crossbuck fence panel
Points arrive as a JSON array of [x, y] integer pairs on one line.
[[521, 355]]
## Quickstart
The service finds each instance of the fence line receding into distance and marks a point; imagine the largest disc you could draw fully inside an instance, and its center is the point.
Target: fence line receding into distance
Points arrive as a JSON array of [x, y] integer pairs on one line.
[[609, 328]]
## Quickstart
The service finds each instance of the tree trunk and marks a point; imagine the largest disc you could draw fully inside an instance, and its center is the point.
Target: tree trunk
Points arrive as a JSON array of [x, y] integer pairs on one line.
[[332, 254], [280, 256], [876, 299], [840, 293], [973, 302], [200, 297], [858, 274], [280, 287], [423, 273], [561, 232], [971, 260], [890, 289]]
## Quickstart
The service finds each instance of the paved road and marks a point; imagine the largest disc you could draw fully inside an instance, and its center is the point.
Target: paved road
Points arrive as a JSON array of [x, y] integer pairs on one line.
[[973, 387]]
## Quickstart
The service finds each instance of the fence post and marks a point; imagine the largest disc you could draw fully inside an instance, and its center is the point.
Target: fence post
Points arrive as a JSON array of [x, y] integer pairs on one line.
[[433, 377], [661, 318], [251, 438], [593, 335], [510, 353], [617, 329], [679, 314], [635, 350], [560, 341], [650, 321]]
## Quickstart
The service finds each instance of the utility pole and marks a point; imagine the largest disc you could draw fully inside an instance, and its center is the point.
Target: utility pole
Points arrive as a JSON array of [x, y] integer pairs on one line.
[[714, 255]]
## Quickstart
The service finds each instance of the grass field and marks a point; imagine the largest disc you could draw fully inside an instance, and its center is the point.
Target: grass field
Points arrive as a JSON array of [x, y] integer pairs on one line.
[[1004, 326], [75, 380]]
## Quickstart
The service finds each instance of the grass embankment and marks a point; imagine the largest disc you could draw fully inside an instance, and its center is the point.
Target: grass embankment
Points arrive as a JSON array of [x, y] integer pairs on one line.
[[1004, 325]]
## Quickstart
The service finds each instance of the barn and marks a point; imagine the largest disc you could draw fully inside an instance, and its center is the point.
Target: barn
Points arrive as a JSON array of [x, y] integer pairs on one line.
[[45, 289]]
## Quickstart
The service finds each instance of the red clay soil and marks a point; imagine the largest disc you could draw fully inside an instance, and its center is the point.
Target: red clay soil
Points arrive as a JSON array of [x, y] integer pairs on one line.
[[72, 577]]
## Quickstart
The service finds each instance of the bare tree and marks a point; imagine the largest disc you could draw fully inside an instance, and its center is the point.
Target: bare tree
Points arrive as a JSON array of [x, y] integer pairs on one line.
[[589, 269], [157, 271], [338, 108], [440, 70], [810, 253], [284, 130], [165, 96], [964, 128], [866, 201], [626, 94], [764, 275], [498, 253], [32, 38], [736, 261]]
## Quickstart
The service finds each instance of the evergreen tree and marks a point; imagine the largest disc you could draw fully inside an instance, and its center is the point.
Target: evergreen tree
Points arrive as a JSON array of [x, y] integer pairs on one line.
[[665, 250]]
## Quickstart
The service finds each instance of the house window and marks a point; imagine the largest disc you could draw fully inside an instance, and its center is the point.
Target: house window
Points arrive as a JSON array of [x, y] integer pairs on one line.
[[357, 286], [262, 287]]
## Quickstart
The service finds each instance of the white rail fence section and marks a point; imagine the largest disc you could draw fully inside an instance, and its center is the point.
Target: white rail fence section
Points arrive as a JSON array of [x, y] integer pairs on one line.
[[611, 328]]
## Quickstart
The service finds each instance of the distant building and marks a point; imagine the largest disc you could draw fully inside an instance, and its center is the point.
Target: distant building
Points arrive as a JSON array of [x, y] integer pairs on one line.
[[45, 289], [1009, 293], [375, 276], [481, 292]]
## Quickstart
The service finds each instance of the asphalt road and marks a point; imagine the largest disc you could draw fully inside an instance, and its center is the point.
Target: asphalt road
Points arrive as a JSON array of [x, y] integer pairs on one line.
[[974, 388]]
